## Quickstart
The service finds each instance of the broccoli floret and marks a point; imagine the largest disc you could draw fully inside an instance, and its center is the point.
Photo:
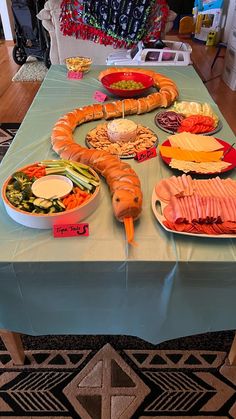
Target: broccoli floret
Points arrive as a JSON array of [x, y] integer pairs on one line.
[[17, 185], [21, 178], [26, 191], [15, 197]]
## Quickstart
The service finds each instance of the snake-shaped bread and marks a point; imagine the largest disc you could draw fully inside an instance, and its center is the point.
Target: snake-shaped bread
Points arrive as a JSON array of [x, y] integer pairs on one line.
[[123, 181]]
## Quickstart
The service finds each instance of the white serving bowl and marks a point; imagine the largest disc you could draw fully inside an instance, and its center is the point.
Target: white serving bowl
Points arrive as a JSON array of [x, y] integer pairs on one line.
[[47, 221], [52, 185]]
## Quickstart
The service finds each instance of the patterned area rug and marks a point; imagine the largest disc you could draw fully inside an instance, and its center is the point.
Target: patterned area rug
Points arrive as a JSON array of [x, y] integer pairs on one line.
[[119, 377], [7, 133], [32, 70]]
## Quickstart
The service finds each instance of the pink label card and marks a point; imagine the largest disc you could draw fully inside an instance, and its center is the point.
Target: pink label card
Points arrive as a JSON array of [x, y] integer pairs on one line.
[[99, 96], [146, 154], [70, 230], [76, 75]]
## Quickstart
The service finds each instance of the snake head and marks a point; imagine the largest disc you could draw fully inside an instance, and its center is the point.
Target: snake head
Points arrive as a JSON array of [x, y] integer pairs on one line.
[[127, 203]]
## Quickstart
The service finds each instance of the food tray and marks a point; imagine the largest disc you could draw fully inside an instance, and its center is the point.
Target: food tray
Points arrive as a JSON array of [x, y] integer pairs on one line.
[[230, 157], [47, 221], [217, 129], [129, 154], [157, 208]]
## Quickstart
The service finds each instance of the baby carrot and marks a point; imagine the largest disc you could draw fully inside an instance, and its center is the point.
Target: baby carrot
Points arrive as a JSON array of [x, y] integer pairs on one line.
[[129, 230]]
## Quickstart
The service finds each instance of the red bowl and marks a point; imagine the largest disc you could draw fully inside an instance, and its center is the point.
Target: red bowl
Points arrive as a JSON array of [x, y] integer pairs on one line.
[[111, 78]]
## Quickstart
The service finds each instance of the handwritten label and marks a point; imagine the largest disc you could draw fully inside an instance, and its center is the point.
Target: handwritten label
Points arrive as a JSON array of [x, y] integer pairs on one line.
[[78, 75], [146, 154], [70, 230], [99, 96]]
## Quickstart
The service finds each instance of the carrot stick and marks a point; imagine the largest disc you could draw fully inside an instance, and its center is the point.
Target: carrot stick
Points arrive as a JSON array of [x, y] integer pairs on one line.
[[75, 199], [35, 171], [129, 230]]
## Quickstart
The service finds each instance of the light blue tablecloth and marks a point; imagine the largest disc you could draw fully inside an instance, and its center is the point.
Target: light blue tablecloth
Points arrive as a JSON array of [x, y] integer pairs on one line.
[[168, 286]]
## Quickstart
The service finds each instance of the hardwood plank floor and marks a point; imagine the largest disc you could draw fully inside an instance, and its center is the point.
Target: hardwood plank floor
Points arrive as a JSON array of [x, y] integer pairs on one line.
[[16, 97]]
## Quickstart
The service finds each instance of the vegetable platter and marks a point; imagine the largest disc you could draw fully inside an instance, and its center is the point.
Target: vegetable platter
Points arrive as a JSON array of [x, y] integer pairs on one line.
[[68, 193]]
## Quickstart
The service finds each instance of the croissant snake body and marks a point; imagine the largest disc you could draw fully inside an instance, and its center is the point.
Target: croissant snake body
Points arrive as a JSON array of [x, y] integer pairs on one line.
[[124, 184]]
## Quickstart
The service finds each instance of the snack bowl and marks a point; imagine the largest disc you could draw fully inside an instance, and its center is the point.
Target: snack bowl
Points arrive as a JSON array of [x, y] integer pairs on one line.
[[50, 186], [39, 220], [80, 64], [120, 76]]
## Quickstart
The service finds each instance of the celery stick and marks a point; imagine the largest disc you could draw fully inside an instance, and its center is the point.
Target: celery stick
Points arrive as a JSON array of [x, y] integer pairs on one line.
[[92, 180], [52, 163], [80, 177], [59, 166], [82, 170], [54, 170], [83, 185], [75, 181]]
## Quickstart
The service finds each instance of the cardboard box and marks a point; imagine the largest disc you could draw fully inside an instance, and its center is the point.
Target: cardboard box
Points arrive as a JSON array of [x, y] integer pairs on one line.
[[229, 76]]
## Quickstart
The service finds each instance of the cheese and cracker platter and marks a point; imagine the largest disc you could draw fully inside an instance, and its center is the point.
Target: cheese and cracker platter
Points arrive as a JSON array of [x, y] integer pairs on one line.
[[122, 137], [191, 153]]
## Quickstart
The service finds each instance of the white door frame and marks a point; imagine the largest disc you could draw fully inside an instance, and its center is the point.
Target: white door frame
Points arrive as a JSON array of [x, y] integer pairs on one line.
[[7, 19]]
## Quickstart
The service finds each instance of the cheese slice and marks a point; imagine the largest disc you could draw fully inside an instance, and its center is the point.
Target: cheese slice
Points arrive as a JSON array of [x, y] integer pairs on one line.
[[188, 108], [189, 141], [190, 155], [203, 167]]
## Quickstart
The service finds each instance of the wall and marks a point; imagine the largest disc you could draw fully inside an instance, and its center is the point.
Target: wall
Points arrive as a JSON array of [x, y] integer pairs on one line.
[[7, 19], [228, 12]]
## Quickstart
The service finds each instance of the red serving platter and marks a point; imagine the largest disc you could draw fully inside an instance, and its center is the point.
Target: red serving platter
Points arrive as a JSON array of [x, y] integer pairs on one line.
[[111, 78], [229, 158]]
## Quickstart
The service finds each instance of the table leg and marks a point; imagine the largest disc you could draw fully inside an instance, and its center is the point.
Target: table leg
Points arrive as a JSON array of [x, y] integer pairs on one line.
[[232, 352], [13, 344]]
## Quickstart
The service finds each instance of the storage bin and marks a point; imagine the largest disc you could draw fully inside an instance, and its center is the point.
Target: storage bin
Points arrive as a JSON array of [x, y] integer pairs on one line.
[[229, 76], [230, 57], [175, 53], [232, 38]]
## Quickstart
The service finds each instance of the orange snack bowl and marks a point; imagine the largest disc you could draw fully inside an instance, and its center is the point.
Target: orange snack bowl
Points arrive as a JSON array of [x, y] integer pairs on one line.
[[115, 77], [47, 221]]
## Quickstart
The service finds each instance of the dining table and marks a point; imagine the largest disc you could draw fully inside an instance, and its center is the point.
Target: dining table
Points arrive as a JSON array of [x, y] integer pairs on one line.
[[167, 286]]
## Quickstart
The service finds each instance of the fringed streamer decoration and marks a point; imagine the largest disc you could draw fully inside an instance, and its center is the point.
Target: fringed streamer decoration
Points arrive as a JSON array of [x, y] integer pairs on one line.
[[118, 23]]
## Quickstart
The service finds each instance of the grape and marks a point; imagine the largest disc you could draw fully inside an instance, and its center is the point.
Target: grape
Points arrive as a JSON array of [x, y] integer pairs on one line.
[[127, 85]]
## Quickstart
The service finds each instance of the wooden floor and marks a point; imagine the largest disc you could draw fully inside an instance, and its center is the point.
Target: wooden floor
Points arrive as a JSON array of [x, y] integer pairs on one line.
[[16, 98]]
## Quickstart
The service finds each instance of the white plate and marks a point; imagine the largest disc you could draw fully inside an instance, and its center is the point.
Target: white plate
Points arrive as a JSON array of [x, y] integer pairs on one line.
[[52, 186], [158, 212]]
